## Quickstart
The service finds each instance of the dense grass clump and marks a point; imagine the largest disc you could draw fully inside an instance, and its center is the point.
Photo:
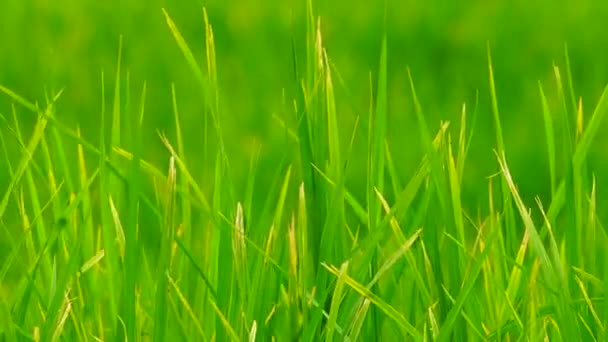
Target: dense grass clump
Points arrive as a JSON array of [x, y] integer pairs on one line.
[[102, 244]]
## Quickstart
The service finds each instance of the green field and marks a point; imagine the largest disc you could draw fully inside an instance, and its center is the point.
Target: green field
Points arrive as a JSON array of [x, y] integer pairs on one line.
[[303, 170]]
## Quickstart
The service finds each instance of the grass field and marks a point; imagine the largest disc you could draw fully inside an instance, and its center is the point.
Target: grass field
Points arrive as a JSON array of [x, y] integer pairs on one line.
[[303, 171]]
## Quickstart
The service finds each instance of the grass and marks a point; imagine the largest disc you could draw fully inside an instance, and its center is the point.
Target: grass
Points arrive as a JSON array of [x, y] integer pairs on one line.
[[110, 246]]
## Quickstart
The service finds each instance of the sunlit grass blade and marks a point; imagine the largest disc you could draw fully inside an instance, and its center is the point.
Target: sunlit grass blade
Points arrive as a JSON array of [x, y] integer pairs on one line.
[[510, 241], [500, 143], [336, 300], [231, 334], [376, 158], [20, 100], [53, 319], [590, 305], [35, 199], [568, 325], [188, 308], [592, 129], [37, 135], [550, 139], [198, 192], [183, 46], [330, 251], [376, 144], [454, 181], [164, 262], [440, 189]]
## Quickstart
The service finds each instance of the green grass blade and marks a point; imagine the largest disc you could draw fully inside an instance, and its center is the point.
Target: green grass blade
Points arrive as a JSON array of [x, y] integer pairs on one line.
[[388, 310], [188, 308], [554, 281], [37, 135], [164, 260], [550, 139], [335, 302], [582, 149]]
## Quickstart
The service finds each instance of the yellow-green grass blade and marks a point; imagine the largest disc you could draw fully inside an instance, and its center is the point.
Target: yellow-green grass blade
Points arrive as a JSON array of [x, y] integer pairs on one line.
[[440, 189], [64, 283], [197, 190], [592, 129], [185, 49], [510, 239], [239, 254], [131, 256], [515, 277], [292, 296], [35, 199], [550, 139], [551, 270], [336, 300], [305, 136], [376, 158], [208, 83], [377, 136], [184, 301], [262, 274], [164, 259], [92, 287], [231, 334], [454, 181], [306, 269], [213, 86], [221, 270], [331, 250], [594, 314], [410, 258], [32, 145], [184, 195], [500, 144], [109, 185], [20, 100]]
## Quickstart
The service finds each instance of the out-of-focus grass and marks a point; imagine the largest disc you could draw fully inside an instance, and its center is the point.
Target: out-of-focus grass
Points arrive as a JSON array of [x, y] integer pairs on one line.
[[67, 43]]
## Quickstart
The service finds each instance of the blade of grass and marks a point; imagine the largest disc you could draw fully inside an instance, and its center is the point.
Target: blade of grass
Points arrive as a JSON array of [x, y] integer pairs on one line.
[[335, 302], [164, 262], [388, 310], [550, 139], [37, 135], [186, 305], [567, 322], [446, 329], [131, 256]]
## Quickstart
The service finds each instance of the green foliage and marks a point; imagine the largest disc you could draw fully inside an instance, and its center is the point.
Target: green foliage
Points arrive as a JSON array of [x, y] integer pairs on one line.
[[103, 243]]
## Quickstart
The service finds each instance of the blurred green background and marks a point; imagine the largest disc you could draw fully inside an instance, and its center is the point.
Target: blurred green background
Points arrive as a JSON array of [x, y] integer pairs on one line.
[[53, 44]]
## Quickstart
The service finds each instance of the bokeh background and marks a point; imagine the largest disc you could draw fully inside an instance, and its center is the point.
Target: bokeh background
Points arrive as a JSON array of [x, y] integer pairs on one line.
[[47, 45]]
